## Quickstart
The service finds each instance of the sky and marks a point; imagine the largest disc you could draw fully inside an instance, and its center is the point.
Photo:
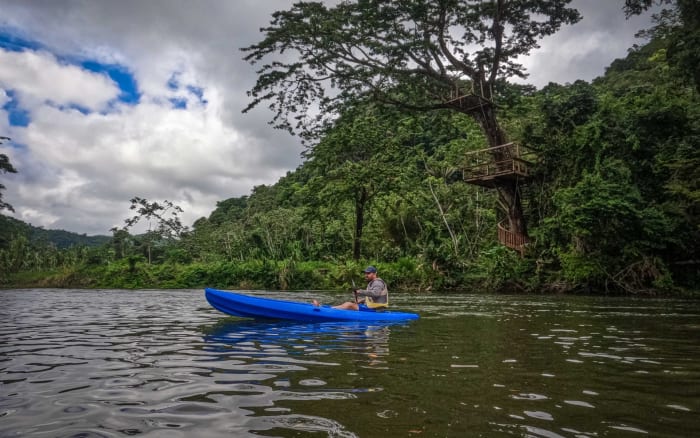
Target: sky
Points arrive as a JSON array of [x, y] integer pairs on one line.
[[107, 100]]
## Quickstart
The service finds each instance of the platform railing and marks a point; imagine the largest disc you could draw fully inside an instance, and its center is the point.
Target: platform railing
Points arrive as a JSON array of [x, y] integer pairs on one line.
[[510, 239]]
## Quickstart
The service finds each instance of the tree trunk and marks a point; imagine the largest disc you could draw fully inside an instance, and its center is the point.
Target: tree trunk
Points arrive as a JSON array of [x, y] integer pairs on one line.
[[360, 202], [489, 123], [508, 191], [510, 196]]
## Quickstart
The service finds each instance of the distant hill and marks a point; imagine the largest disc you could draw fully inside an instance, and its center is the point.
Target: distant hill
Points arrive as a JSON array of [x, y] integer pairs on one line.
[[11, 228]]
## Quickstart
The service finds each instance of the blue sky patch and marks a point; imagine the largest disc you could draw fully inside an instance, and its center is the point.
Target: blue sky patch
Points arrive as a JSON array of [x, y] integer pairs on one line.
[[178, 102], [123, 78], [199, 92], [13, 43], [16, 115], [174, 82]]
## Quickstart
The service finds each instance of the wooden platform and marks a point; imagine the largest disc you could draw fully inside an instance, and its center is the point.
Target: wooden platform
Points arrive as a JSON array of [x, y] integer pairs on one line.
[[512, 240], [494, 166], [468, 103]]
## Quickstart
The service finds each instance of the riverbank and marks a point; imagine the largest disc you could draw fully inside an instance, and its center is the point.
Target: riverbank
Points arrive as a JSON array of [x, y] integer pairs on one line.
[[402, 275]]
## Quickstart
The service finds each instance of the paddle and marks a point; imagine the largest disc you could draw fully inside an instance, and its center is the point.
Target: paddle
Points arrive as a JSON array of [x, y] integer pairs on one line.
[[354, 290]]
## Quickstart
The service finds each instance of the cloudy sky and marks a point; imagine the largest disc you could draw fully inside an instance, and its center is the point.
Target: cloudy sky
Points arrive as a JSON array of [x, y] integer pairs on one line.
[[107, 100]]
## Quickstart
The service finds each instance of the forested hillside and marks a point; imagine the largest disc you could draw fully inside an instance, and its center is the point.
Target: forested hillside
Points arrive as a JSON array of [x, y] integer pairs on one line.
[[11, 228], [612, 204]]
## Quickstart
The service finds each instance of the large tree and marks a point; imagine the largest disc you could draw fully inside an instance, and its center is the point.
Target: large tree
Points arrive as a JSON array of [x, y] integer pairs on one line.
[[416, 54]]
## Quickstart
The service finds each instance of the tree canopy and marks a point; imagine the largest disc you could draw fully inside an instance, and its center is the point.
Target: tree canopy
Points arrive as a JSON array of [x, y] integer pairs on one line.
[[418, 54], [679, 24]]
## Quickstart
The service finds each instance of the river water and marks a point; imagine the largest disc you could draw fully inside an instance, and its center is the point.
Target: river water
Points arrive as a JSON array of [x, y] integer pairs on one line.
[[108, 363]]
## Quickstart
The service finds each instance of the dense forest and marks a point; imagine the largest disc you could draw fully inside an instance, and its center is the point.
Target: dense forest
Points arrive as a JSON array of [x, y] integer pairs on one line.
[[610, 202]]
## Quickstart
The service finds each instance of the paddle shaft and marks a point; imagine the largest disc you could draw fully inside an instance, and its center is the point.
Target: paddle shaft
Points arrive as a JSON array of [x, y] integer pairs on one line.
[[354, 290]]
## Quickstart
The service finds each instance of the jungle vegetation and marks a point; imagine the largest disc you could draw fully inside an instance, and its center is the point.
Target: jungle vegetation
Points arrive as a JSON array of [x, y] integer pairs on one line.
[[611, 206]]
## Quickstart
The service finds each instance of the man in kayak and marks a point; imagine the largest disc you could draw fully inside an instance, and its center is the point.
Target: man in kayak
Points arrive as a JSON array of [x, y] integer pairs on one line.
[[376, 296]]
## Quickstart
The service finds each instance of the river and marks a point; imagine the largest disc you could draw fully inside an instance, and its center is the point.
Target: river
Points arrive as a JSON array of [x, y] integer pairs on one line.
[[109, 363]]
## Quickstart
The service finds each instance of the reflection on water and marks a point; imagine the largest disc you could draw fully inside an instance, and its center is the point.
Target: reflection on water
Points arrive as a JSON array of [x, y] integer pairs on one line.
[[164, 363], [292, 344]]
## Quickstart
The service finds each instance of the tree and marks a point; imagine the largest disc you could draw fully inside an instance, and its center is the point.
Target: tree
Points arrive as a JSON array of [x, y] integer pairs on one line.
[[6, 167], [614, 201], [418, 55], [353, 164], [167, 228], [680, 25]]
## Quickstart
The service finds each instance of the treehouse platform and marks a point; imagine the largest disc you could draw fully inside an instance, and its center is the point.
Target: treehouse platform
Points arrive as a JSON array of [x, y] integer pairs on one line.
[[497, 167], [468, 103], [492, 167]]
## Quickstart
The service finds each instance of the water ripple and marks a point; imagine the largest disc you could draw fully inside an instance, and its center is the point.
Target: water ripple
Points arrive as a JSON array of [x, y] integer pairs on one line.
[[163, 363]]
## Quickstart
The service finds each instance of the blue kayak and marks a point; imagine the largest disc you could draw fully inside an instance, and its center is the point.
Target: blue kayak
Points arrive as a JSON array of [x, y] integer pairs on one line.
[[248, 306]]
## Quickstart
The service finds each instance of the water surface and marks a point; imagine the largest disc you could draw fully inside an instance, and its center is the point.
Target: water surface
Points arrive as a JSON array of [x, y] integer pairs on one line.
[[107, 363]]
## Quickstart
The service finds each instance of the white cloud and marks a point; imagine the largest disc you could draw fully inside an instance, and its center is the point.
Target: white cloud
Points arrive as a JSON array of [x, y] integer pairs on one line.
[[148, 150], [4, 98], [78, 171], [38, 77], [4, 122], [584, 50]]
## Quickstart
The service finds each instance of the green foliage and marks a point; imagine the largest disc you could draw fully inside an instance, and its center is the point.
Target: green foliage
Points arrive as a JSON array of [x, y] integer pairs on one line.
[[65, 239], [613, 204], [679, 25], [164, 227], [11, 228]]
